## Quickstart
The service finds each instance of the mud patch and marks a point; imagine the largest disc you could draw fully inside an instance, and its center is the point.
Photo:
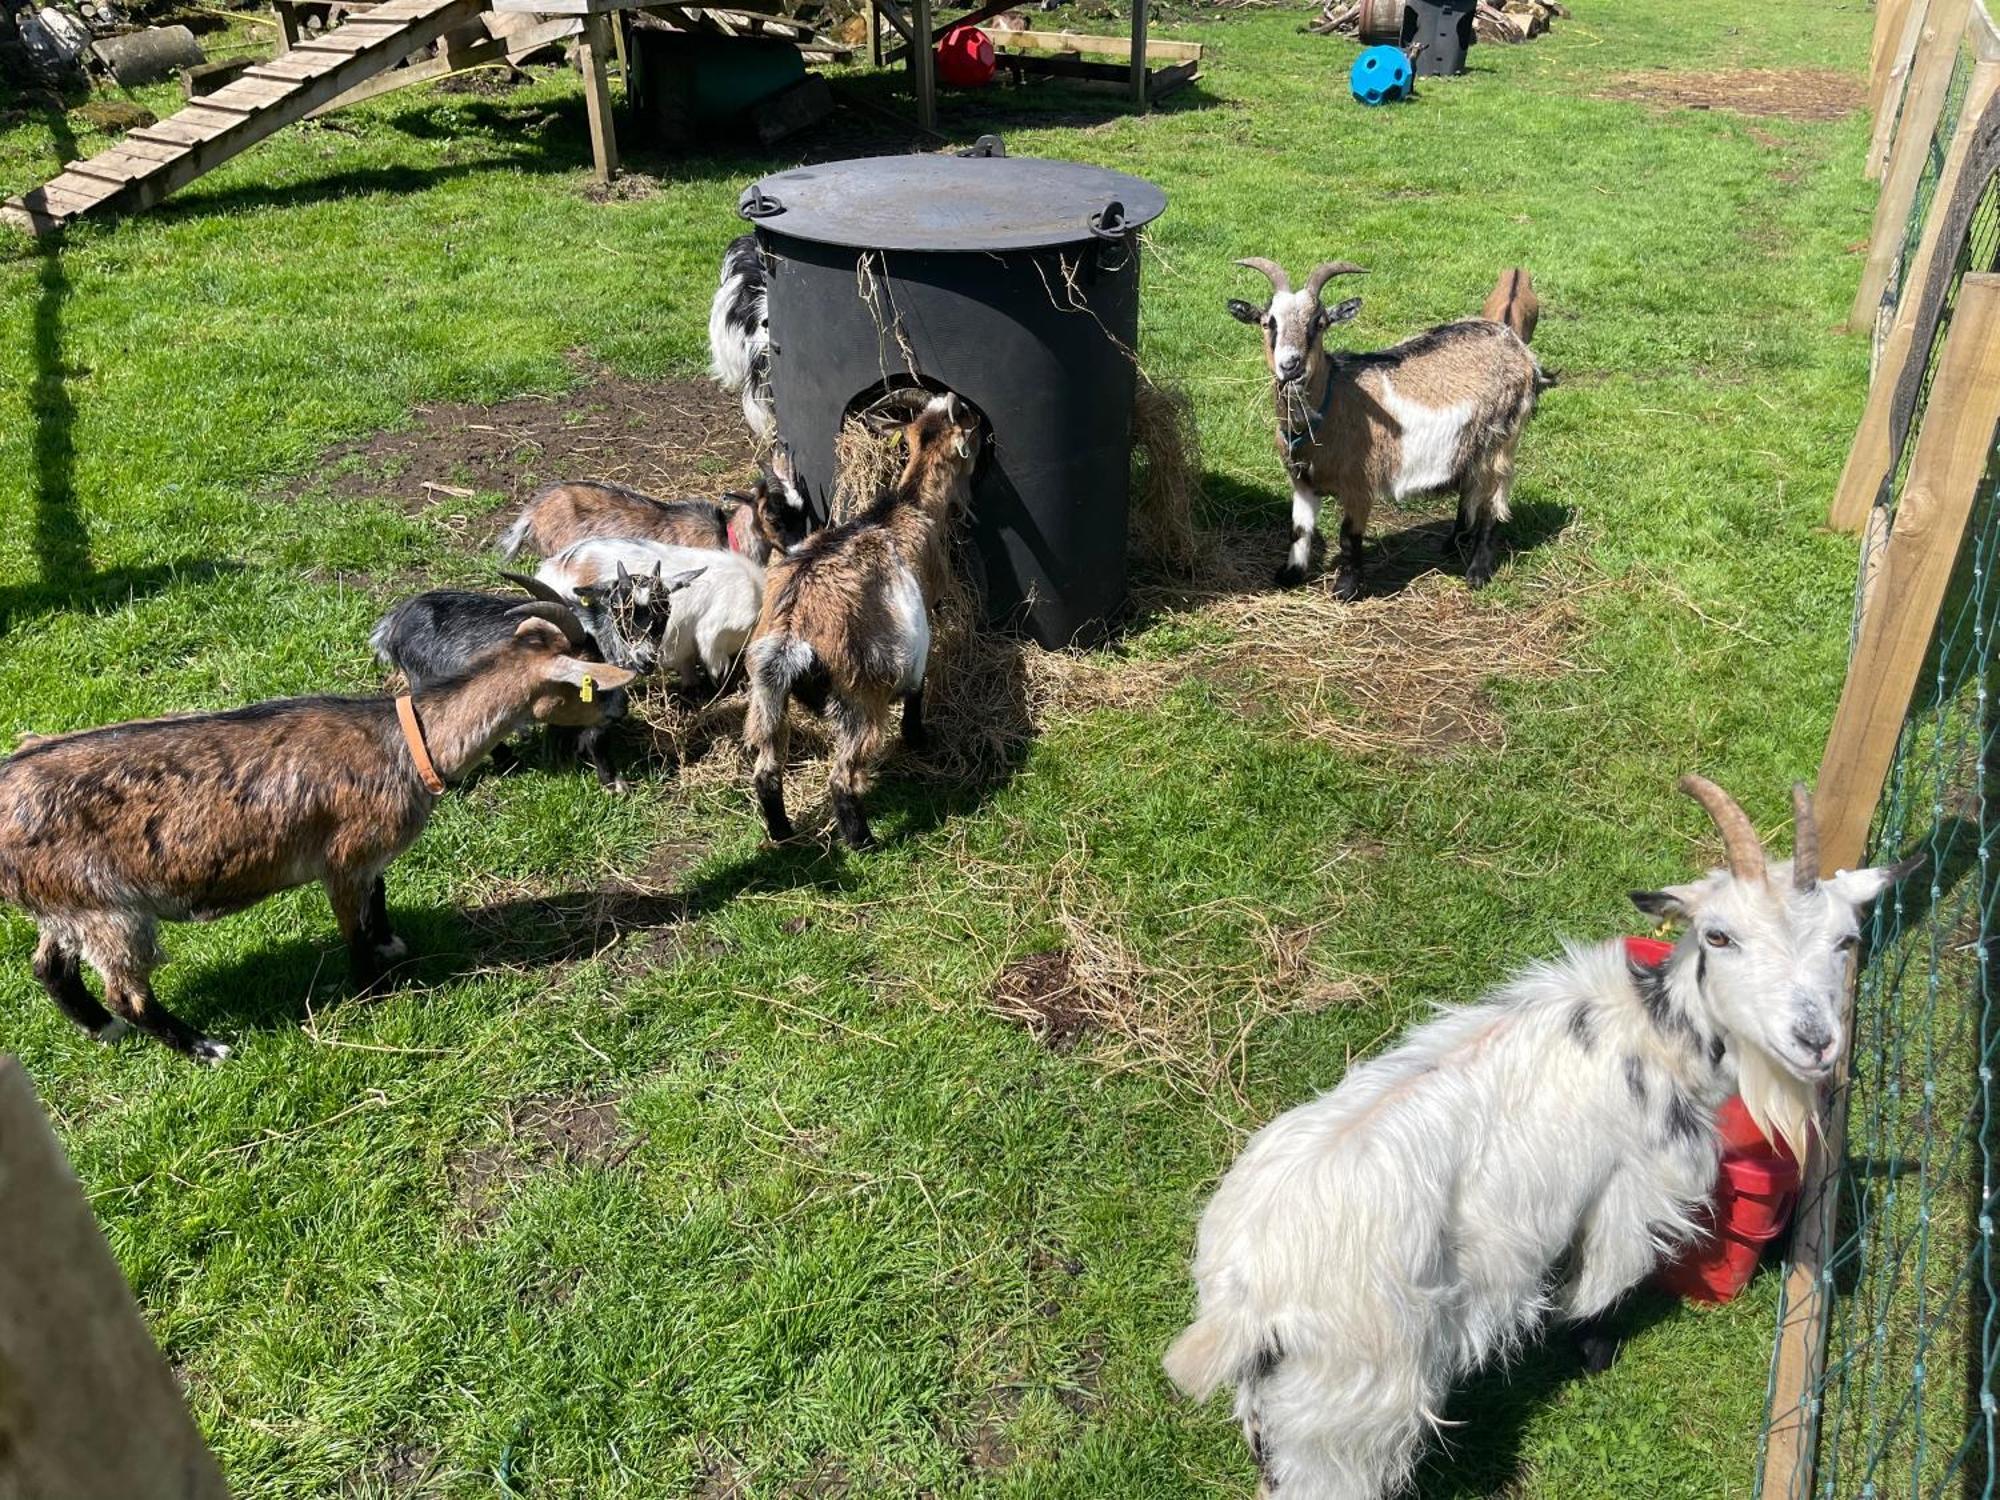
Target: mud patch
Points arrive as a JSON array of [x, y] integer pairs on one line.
[[667, 437], [543, 1131], [1044, 993], [406, 1469], [480, 83], [1790, 93]]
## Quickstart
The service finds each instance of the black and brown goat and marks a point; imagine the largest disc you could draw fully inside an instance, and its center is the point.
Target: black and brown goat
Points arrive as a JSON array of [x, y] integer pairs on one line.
[[769, 521], [1441, 411], [108, 832], [846, 621]]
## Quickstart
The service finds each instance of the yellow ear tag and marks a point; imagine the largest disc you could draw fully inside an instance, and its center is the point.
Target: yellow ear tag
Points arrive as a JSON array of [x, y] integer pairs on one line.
[[589, 688], [1665, 929]]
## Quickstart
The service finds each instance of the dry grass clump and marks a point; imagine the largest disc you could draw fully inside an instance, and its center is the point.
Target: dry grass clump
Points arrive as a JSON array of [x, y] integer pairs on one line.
[[1190, 1023]]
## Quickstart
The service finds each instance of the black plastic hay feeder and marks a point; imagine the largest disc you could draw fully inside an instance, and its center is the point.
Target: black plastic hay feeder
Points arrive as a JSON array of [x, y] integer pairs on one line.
[[1015, 283]]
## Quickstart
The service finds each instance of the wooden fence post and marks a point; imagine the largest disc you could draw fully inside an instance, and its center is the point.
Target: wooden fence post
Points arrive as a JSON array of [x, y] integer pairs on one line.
[[1868, 456], [1898, 619], [1894, 81], [1923, 107], [88, 1407]]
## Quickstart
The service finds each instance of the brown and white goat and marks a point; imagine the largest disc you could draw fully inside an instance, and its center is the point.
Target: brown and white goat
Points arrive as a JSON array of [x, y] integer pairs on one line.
[[1441, 411], [108, 832], [770, 520], [846, 619]]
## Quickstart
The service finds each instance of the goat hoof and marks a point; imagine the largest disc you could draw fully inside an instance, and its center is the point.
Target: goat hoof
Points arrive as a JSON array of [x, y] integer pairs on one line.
[[209, 1051], [1478, 575], [863, 842], [1347, 586], [918, 740], [111, 1031], [1290, 576], [1597, 1351], [617, 786]]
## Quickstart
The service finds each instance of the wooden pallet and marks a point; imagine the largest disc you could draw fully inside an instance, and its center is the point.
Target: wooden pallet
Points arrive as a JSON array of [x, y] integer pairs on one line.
[[149, 164]]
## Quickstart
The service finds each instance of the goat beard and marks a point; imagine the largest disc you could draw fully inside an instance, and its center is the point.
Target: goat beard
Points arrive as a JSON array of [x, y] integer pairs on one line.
[[1785, 1108]]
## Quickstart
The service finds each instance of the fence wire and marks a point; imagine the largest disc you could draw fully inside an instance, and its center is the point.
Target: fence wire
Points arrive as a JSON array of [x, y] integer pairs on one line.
[[1905, 1404]]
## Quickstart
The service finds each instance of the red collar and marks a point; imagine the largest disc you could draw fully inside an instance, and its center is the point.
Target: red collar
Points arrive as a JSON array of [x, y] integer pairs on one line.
[[413, 736]]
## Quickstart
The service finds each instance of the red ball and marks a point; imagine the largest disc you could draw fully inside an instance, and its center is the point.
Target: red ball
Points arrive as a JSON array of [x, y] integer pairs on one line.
[[965, 58]]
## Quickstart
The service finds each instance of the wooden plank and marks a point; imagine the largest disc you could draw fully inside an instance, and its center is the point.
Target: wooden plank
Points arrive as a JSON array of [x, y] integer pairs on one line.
[[923, 64], [254, 93], [1889, 99], [293, 67], [1868, 457], [594, 51], [91, 1408], [871, 22], [1945, 471], [1923, 104], [1985, 32], [175, 131], [150, 151], [68, 195], [1889, 18], [1157, 49], [110, 168], [1166, 80]]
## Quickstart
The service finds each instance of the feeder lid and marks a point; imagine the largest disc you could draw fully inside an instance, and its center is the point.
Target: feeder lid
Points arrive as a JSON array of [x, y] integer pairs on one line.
[[951, 203]]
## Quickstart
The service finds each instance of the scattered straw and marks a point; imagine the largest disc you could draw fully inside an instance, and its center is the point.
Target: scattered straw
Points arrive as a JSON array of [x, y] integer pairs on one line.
[[1098, 993]]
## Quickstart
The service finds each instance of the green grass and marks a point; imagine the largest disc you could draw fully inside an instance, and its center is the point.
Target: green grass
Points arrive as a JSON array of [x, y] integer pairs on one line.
[[869, 1229]]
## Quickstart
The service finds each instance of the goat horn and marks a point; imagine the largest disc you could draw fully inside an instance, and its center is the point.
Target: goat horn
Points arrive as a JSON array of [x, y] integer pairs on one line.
[[1280, 282], [1805, 839], [1325, 271], [536, 587], [1745, 851], [559, 615]]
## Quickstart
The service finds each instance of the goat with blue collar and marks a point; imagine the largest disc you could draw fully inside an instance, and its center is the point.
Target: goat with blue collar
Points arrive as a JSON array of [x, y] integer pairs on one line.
[[1441, 411]]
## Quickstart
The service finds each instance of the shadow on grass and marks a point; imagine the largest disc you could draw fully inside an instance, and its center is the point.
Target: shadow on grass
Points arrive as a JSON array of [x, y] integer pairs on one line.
[[1483, 1456]]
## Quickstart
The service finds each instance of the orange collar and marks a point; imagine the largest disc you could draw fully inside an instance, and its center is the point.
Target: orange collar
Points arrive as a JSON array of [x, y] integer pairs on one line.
[[413, 736]]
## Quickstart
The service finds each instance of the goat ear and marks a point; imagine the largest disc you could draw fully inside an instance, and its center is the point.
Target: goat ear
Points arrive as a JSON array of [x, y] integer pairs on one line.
[[539, 628], [573, 670], [586, 598], [1859, 887], [1343, 312], [1673, 904], [623, 576], [1245, 312], [681, 580]]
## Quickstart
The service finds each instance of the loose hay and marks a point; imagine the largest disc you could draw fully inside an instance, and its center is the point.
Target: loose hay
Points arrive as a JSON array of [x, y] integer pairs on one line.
[[1790, 93], [1167, 445]]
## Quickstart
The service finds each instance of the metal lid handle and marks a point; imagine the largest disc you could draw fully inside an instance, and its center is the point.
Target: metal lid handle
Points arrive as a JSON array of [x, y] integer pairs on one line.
[[758, 204]]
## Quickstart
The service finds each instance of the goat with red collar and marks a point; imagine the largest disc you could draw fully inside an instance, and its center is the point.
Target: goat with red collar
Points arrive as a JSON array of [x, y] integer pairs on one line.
[[108, 832]]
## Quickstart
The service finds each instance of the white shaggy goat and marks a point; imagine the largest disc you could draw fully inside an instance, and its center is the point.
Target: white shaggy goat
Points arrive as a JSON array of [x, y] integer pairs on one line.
[[739, 335], [716, 596], [1531, 1153], [1441, 411]]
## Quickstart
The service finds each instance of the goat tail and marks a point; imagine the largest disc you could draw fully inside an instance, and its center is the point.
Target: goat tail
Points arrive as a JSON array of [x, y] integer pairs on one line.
[[1211, 1351], [515, 537], [378, 638], [777, 663]]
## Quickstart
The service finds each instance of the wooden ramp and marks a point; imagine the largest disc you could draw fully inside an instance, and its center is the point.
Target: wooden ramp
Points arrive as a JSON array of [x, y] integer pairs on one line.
[[149, 164]]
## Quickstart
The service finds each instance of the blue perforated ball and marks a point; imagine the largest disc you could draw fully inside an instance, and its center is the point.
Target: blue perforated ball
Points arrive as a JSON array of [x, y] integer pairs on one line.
[[1380, 75]]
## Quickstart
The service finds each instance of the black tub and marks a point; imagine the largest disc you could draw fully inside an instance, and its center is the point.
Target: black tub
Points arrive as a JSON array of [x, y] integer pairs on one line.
[[1014, 282]]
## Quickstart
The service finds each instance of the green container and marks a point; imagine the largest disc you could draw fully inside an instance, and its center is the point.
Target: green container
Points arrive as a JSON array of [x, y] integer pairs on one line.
[[690, 86]]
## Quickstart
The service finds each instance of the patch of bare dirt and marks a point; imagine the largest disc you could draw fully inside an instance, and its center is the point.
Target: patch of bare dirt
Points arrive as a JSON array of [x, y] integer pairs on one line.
[[406, 1469], [543, 1130], [480, 83], [1042, 992], [1792, 93], [626, 187], [667, 437]]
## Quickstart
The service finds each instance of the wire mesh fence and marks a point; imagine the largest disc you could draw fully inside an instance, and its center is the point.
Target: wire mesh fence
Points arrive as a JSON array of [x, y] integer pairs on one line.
[[1904, 1402]]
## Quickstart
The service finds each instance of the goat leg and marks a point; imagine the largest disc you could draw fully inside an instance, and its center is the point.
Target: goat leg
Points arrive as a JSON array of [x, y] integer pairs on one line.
[[1461, 524], [1347, 578], [131, 997], [915, 736], [857, 741], [360, 903], [61, 974], [1305, 526], [1479, 571]]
